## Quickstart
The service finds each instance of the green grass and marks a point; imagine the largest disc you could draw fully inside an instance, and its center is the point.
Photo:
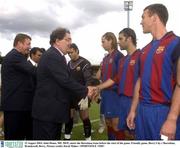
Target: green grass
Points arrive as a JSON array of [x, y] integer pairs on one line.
[[77, 133]]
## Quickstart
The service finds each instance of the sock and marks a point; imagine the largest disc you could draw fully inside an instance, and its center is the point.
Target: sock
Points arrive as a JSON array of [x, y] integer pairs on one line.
[[68, 129], [87, 127], [120, 135], [111, 134]]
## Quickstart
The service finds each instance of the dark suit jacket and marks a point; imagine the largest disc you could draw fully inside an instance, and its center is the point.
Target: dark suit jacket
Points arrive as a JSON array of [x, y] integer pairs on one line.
[[17, 85], [54, 86], [33, 78]]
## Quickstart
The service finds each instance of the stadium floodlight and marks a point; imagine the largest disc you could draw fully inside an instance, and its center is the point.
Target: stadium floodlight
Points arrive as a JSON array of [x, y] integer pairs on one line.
[[128, 6]]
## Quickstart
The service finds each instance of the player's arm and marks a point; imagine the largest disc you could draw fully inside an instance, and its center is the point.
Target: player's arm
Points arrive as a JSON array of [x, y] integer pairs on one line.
[[135, 101], [106, 84], [169, 127]]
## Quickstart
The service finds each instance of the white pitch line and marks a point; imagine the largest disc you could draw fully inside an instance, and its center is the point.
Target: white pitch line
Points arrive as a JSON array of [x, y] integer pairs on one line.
[[80, 124]]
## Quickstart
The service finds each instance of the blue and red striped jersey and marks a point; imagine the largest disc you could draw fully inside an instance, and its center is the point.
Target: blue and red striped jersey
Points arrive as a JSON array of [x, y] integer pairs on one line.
[[158, 69], [128, 72], [110, 66]]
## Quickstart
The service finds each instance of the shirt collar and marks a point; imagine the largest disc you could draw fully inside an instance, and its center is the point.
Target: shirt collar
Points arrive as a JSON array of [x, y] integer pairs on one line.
[[33, 63]]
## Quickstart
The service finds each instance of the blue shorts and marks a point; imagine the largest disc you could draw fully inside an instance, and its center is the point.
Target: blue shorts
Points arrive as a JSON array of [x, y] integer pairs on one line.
[[125, 105], [110, 104], [149, 120]]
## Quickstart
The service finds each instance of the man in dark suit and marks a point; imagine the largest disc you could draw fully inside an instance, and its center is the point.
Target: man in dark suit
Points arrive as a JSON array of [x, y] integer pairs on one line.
[[17, 90], [35, 55], [51, 106]]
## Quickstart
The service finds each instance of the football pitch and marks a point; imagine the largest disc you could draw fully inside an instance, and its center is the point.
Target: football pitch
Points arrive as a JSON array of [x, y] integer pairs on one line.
[[77, 133]]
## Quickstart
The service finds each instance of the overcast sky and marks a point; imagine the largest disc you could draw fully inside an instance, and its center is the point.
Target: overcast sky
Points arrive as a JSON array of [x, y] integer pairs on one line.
[[87, 20]]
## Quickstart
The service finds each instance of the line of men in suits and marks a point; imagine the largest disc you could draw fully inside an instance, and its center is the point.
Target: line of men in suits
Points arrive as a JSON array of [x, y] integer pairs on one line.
[[45, 107]]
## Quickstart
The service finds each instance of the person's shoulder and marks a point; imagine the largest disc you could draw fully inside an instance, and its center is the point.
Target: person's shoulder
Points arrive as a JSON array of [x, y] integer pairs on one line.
[[51, 53], [118, 54], [84, 63], [13, 55], [84, 59]]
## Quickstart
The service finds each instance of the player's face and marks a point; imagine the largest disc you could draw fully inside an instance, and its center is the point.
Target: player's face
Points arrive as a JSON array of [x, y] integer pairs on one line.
[[147, 21], [106, 44], [73, 54], [122, 42]]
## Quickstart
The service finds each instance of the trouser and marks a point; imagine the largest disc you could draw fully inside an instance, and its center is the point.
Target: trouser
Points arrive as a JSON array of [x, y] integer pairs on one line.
[[43, 130], [18, 125]]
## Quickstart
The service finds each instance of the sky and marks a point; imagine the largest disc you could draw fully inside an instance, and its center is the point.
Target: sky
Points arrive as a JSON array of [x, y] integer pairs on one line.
[[87, 20]]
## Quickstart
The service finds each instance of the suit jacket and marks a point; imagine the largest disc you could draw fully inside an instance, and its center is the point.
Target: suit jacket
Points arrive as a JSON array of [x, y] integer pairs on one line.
[[17, 85], [54, 86], [33, 78]]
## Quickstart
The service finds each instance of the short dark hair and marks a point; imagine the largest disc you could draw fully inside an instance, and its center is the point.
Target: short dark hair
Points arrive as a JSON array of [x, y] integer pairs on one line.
[[58, 33], [35, 49], [160, 10], [75, 47], [128, 32], [20, 37]]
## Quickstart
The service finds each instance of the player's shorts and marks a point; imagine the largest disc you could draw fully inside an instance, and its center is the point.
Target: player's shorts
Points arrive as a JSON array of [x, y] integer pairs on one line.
[[149, 120], [109, 104], [125, 105]]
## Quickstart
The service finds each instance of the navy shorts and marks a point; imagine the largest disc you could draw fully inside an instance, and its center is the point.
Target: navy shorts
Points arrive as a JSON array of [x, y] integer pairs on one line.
[[125, 105], [110, 104], [149, 120]]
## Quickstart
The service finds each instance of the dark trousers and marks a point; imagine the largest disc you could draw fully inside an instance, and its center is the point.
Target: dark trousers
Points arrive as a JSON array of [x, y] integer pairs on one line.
[[18, 125], [43, 130]]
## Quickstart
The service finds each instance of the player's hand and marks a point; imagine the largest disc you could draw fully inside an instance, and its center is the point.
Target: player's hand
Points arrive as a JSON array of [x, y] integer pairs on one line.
[[169, 129], [130, 120]]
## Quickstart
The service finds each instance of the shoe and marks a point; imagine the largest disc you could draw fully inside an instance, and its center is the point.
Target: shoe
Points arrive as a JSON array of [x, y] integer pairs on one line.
[[67, 137], [88, 138], [92, 131], [101, 130]]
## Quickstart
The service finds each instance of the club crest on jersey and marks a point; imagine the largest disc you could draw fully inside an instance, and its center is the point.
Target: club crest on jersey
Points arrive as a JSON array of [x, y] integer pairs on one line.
[[160, 49], [132, 62], [111, 60], [78, 68]]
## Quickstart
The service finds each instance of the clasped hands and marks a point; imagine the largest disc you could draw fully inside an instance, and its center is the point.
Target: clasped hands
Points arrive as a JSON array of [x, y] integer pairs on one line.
[[93, 93]]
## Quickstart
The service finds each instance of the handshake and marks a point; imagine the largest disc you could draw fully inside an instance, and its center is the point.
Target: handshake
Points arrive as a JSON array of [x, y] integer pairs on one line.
[[93, 93]]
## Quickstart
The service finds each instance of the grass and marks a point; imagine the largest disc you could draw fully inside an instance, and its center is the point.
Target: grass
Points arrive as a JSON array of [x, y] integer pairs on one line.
[[77, 133]]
